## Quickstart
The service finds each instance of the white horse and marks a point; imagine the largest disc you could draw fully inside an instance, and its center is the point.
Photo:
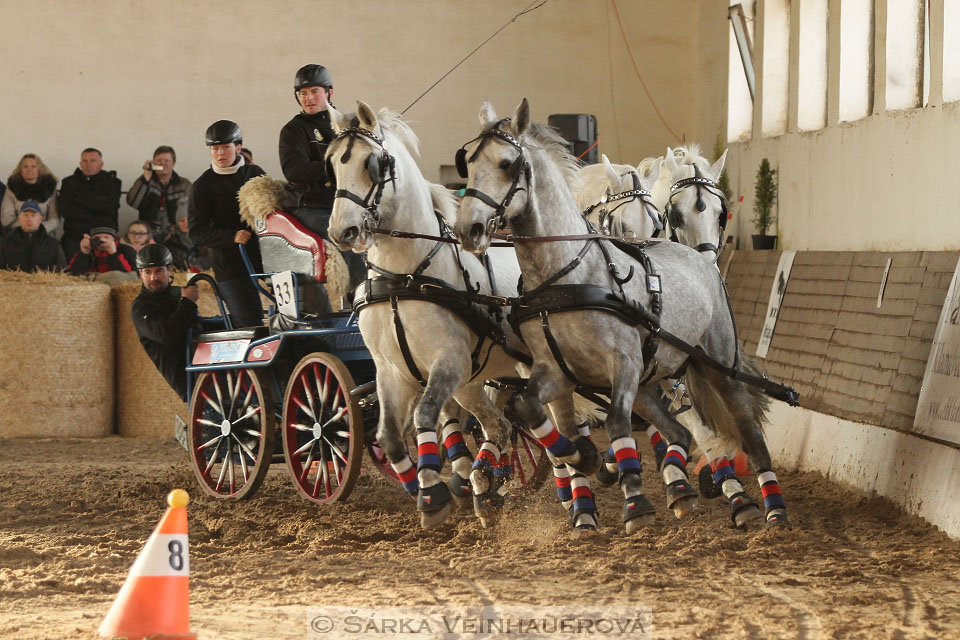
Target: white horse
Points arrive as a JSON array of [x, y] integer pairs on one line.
[[593, 312], [696, 209], [424, 311], [617, 199]]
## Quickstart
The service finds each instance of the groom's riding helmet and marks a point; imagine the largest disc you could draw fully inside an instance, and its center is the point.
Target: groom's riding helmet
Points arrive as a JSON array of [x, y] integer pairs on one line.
[[312, 75], [224, 132]]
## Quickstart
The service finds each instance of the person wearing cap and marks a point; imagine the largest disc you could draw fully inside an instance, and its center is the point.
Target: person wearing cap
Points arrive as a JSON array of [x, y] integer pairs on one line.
[[28, 247], [162, 314], [303, 145], [100, 251], [89, 198], [215, 222], [160, 192]]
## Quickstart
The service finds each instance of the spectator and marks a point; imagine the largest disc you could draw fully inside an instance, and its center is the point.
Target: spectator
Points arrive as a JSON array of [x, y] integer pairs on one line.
[[31, 180], [303, 144], [160, 192], [101, 252], [138, 235], [162, 314], [247, 154], [215, 222], [186, 256], [28, 247], [89, 198]]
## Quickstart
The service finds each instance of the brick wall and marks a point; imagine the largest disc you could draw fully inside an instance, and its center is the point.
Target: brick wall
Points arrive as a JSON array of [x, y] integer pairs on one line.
[[844, 355]]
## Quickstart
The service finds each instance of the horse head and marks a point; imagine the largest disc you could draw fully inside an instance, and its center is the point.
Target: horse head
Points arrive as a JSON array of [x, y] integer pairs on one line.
[[696, 209], [359, 160], [617, 199]]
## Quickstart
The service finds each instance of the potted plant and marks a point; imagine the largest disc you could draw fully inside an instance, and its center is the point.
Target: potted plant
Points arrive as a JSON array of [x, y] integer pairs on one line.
[[764, 197]]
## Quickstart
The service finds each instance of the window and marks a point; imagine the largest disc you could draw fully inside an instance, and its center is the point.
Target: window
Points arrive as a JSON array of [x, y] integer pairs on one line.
[[856, 59], [776, 66], [812, 101], [739, 98], [905, 29]]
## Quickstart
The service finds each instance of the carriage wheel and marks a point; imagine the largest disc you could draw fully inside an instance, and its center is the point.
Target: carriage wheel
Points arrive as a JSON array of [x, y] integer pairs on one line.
[[231, 432], [530, 462], [382, 463], [322, 429]]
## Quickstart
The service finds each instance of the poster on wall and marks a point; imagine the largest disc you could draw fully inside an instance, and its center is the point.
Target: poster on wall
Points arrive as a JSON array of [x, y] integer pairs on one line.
[[938, 407], [777, 291]]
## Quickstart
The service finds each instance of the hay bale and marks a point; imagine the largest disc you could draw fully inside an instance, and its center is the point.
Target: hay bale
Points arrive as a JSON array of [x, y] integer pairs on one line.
[[56, 362]]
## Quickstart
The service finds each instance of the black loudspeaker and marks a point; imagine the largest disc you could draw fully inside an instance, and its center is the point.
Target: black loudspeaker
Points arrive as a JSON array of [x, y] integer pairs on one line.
[[580, 131]]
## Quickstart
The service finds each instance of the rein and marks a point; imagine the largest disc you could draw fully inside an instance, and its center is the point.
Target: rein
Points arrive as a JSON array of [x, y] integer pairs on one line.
[[508, 240]]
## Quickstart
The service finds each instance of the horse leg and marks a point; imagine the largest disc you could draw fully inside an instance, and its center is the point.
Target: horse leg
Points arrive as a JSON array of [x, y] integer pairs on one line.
[[433, 498], [573, 487], [453, 418], [756, 449], [681, 497], [545, 385], [396, 398]]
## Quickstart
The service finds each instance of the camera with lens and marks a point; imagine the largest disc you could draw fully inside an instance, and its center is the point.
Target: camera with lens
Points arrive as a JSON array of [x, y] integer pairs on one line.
[[156, 167], [96, 242]]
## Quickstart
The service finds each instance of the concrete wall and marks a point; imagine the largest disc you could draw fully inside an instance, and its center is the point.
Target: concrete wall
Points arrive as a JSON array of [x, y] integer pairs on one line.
[[128, 75]]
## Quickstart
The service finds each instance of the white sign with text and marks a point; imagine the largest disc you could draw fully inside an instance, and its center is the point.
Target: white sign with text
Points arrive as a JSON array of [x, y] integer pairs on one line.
[[777, 291]]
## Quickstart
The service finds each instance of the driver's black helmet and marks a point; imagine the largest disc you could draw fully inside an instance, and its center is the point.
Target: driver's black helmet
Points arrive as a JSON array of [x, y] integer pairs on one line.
[[223, 132], [154, 255], [312, 75]]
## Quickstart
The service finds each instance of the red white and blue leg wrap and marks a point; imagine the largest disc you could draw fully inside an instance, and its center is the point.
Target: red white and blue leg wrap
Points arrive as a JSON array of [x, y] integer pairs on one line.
[[487, 458], [657, 442], [770, 489], [722, 471], [582, 495], [504, 470], [428, 453], [453, 442], [561, 478], [407, 474], [554, 441], [583, 429], [625, 451]]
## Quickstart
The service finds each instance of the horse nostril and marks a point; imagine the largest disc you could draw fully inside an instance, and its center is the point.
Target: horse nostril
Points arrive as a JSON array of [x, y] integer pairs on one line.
[[476, 231], [349, 235]]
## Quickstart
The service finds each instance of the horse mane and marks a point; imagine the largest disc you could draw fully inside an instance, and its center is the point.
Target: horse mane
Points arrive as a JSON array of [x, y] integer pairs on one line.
[[391, 121], [690, 155], [643, 169], [444, 202], [550, 140]]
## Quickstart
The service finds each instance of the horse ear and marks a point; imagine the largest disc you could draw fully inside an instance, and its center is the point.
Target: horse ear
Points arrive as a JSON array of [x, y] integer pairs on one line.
[[488, 115], [653, 172], [717, 167], [521, 117], [366, 115], [612, 174], [337, 119], [671, 162]]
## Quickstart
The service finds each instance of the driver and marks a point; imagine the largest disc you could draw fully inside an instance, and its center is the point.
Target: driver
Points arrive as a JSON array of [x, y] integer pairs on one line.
[[162, 314]]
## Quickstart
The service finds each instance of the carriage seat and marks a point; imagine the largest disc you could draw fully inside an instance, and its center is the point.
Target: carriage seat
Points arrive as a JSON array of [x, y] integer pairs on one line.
[[250, 333], [287, 245]]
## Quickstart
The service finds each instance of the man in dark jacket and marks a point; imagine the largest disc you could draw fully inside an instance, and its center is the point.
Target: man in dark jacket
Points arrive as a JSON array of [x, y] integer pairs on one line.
[[162, 314], [100, 251], [89, 198], [215, 222], [29, 247], [160, 194], [303, 144]]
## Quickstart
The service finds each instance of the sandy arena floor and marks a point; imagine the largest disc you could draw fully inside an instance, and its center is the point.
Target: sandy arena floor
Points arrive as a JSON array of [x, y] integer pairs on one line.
[[75, 513]]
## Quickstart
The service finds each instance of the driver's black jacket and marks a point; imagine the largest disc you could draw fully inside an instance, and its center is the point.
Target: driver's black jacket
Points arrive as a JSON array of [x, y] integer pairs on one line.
[[162, 320]]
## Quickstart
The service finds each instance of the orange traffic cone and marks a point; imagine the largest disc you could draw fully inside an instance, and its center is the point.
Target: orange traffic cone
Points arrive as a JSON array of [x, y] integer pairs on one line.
[[154, 601], [739, 464]]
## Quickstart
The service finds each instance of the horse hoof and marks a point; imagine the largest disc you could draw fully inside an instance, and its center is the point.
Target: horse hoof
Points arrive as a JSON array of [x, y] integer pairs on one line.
[[433, 519], [605, 477], [684, 506], [590, 459], [706, 485], [746, 516], [480, 480], [584, 531], [460, 490], [778, 519], [635, 524]]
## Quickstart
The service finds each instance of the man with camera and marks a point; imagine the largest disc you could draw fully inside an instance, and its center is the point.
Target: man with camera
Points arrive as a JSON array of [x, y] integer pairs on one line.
[[89, 198], [160, 193], [100, 252], [162, 315]]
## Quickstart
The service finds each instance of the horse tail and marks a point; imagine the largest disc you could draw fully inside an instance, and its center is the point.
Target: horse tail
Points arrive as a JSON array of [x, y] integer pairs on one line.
[[760, 401], [444, 202]]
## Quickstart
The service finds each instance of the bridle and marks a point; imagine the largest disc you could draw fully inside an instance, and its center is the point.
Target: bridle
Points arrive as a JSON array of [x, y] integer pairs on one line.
[[381, 167], [520, 167], [676, 222], [637, 193]]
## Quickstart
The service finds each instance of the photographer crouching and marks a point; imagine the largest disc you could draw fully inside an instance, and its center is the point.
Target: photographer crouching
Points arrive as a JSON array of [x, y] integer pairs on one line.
[[162, 314], [101, 252]]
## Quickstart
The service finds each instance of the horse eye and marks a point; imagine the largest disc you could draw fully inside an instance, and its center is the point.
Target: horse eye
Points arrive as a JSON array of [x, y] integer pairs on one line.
[[504, 164]]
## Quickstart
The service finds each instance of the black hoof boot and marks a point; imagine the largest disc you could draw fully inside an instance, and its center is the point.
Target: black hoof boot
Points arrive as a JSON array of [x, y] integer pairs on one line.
[[778, 518], [433, 503], [682, 498], [706, 485], [488, 507], [605, 477], [590, 459], [637, 513], [743, 509], [460, 488]]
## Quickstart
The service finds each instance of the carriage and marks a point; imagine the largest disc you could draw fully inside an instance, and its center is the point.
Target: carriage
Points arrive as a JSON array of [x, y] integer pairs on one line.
[[300, 390]]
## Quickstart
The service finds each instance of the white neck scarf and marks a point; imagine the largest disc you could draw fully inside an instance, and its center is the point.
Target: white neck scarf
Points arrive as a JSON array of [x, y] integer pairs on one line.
[[229, 170]]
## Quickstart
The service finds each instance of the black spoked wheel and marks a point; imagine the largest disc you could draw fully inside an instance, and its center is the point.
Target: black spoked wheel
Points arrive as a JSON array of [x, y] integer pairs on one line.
[[231, 432], [322, 429]]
